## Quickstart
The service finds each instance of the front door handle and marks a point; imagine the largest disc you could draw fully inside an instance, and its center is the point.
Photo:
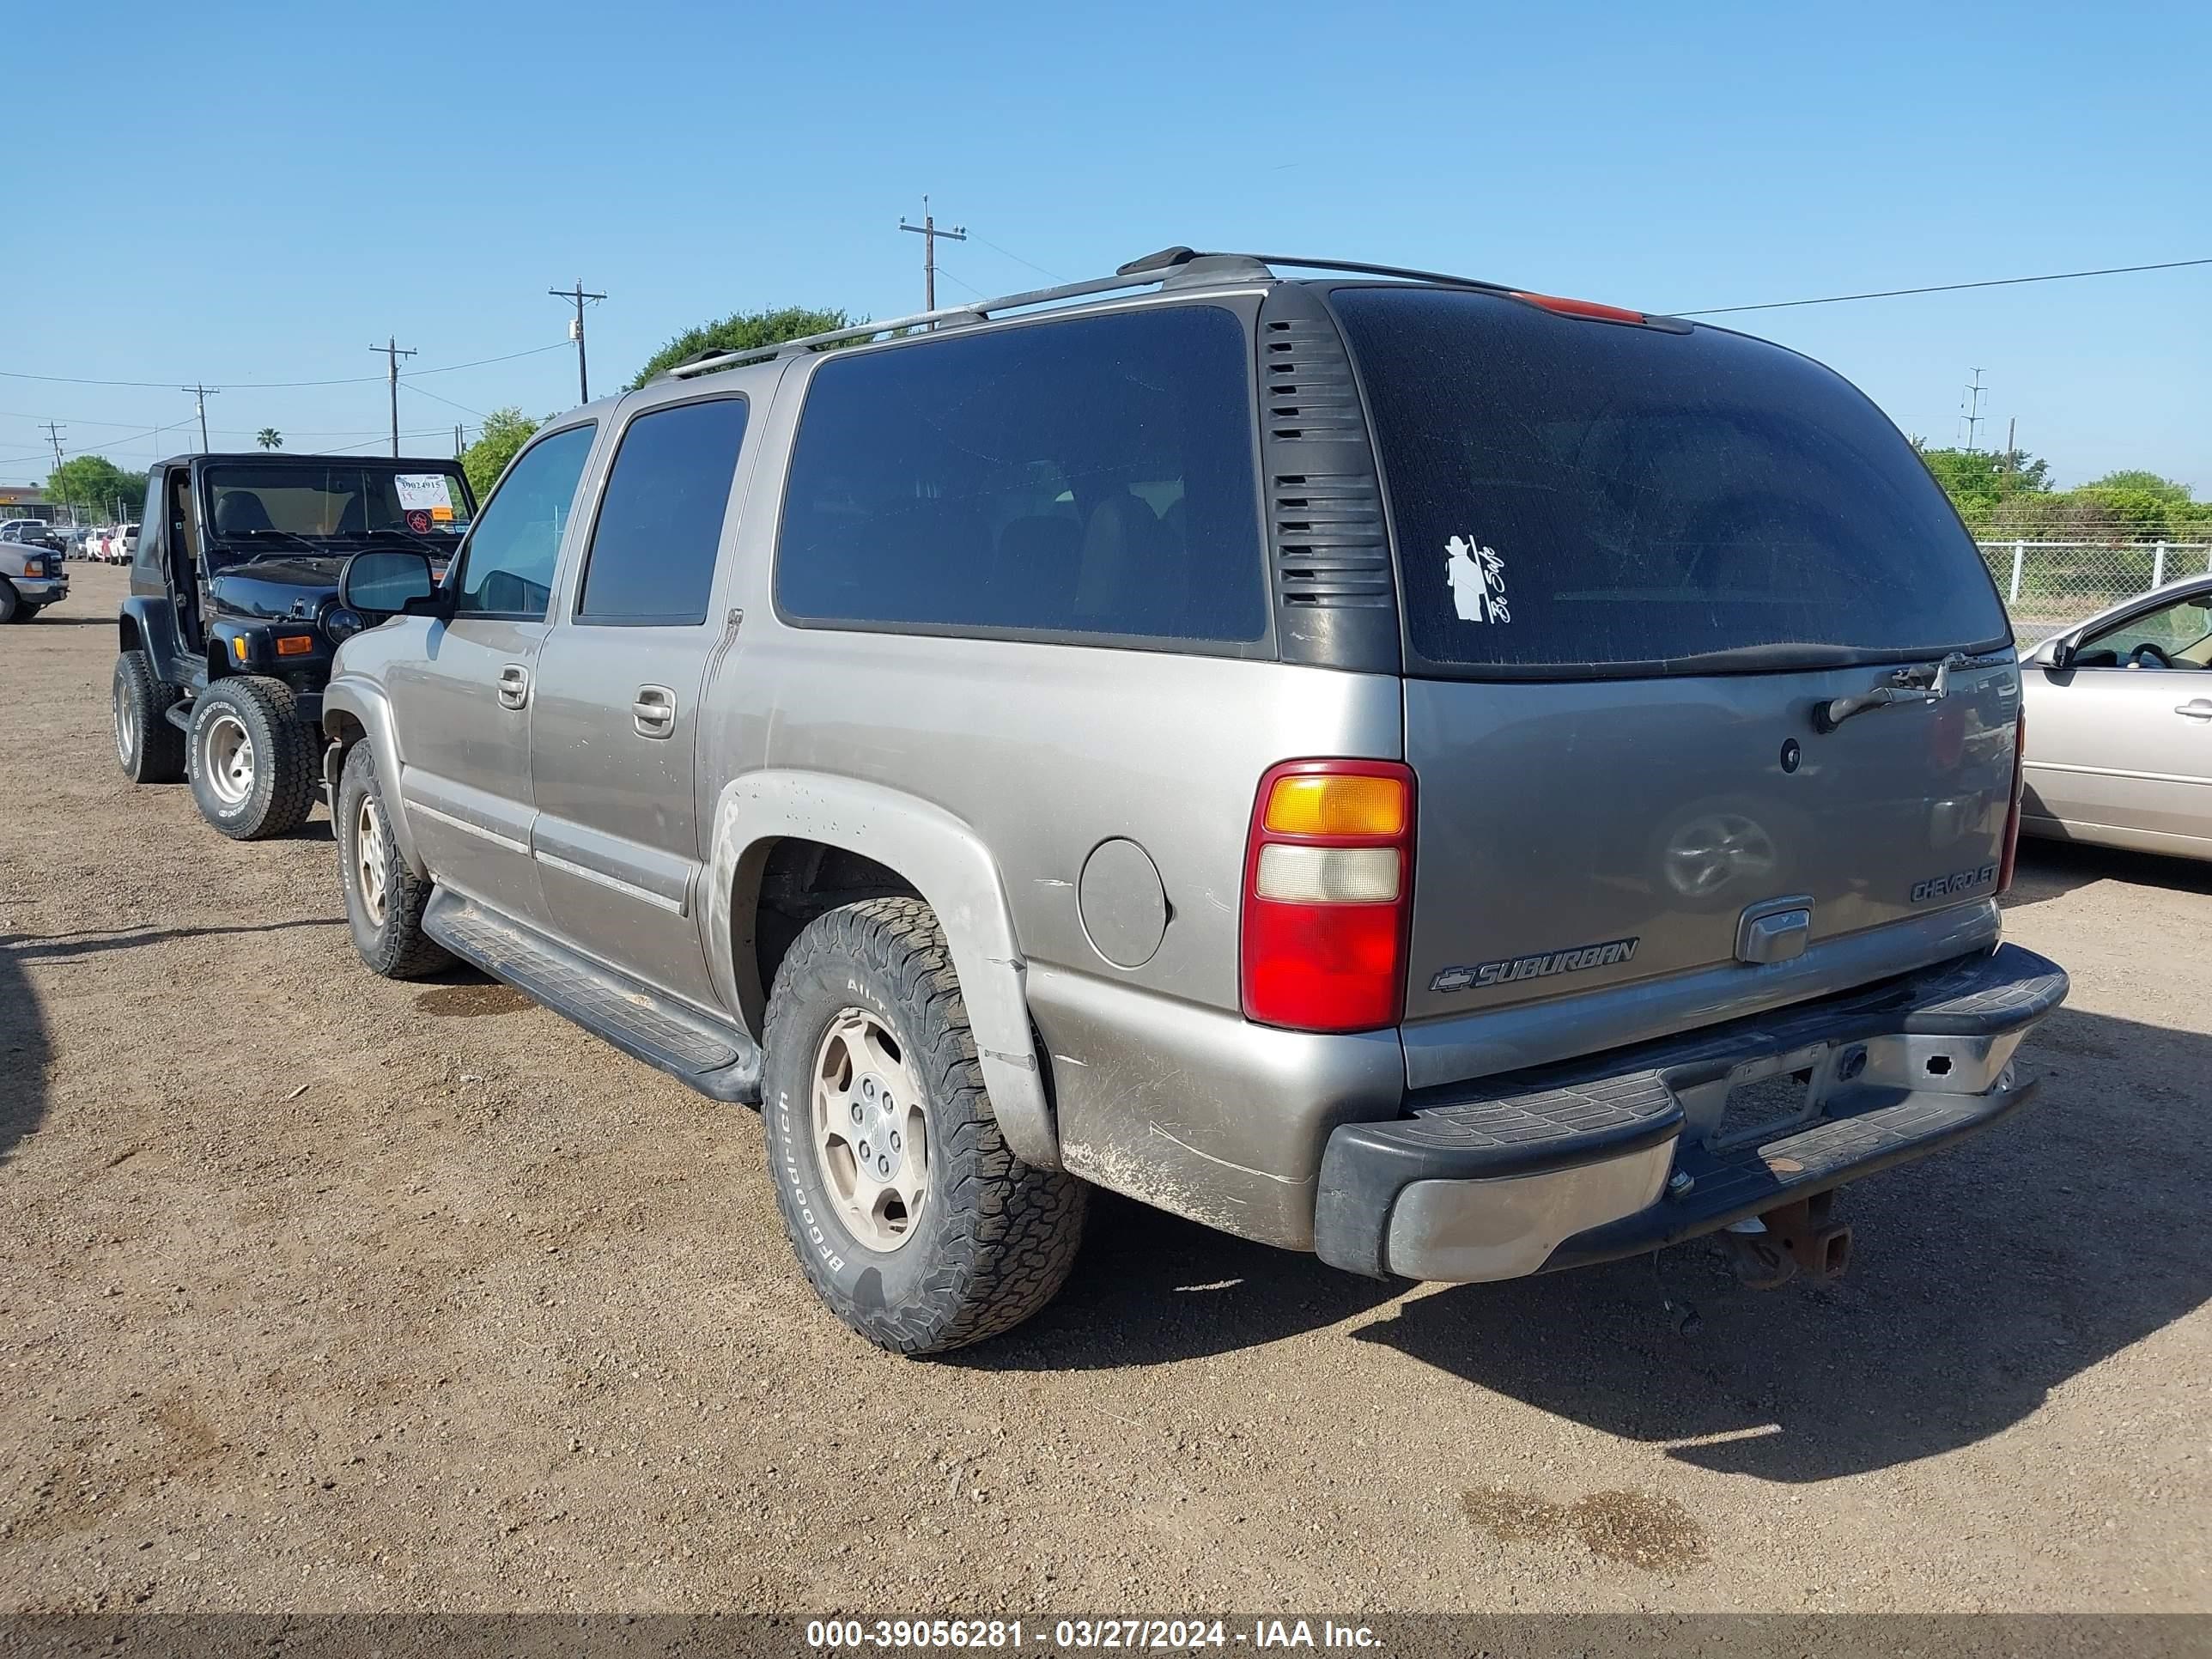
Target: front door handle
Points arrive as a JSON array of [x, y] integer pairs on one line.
[[653, 711], [513, 686], [2196, 708]]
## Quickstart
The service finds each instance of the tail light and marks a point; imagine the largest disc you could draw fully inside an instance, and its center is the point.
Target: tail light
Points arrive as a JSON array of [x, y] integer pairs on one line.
[[1328, 888], [2019, 787]]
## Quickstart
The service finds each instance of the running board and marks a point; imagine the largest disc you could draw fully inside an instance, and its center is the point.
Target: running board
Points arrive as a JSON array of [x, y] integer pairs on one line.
[[718, 1060]]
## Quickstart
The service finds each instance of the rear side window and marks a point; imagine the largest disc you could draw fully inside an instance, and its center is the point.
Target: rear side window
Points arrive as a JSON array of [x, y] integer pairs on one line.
[[1089, 477], [660, 516], [1576, 495]]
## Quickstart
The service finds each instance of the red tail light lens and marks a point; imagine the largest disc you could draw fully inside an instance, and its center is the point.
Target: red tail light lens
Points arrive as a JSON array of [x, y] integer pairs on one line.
[[2019, 787], [1590, 308], [1328, 889]]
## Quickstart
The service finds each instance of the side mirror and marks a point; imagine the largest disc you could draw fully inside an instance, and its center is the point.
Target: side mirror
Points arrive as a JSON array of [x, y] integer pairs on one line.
[[391, 583], [2059, 653]]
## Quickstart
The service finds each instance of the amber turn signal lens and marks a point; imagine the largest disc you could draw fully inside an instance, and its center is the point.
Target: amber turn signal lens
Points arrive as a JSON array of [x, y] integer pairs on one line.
[[294, 645], [1337, 804]]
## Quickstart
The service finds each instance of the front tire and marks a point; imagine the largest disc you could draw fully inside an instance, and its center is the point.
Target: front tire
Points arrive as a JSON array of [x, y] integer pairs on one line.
[[384, 899], [25, 610], [251, 760], [149, 747], [10, 601], [911, 1218]]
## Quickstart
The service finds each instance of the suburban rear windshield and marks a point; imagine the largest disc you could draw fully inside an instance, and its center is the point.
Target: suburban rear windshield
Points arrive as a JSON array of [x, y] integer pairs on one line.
[[1570, 495]]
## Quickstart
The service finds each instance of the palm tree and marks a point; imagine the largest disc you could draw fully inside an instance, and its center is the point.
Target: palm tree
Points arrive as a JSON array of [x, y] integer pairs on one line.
[[269, 438]]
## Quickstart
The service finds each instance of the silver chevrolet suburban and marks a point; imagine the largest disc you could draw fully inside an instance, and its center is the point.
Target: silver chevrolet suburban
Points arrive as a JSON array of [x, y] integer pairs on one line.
[[1467, 782]]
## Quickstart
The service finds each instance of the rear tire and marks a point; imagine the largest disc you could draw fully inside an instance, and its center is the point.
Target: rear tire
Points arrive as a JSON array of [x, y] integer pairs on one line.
[[251, 760], [149, 747], [872, 1070], [384, 899]]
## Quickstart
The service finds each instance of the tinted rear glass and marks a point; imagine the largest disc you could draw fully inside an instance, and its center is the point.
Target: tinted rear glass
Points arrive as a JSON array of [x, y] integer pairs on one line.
[[1569, 494], [660, 515], [1087, 476]]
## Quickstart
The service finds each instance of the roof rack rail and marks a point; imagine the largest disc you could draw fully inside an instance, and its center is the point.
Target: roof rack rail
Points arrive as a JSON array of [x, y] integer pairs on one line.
[[1181, 265]]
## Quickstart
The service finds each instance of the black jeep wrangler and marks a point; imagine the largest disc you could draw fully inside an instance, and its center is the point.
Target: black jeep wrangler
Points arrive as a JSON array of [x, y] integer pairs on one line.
[[234, 615]]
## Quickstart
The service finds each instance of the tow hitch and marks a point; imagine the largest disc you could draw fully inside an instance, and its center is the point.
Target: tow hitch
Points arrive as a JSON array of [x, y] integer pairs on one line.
[[1800, 1237]]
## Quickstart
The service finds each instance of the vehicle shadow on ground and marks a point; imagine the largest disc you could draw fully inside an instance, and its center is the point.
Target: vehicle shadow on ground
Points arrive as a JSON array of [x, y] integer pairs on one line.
[[1984, 1278], [95, 941], [71, 621], [24, 1049], [2052, 869]]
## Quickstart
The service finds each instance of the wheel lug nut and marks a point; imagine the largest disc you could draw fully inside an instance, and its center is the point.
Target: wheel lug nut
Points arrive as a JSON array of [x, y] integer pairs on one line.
[[885, 1166], [864, 1152], [856, 1111], [895, 1140], [868, 1087]]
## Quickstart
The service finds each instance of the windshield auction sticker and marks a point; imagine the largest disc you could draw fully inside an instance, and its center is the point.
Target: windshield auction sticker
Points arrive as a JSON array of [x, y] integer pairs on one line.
[[426, 492]]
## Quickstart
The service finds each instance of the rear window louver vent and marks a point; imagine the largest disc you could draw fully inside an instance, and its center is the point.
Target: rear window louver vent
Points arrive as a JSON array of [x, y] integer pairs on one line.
[[1330, 551], [1329, 547]]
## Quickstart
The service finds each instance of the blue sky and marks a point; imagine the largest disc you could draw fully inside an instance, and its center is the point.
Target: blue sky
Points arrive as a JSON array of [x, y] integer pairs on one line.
[[246, 193]]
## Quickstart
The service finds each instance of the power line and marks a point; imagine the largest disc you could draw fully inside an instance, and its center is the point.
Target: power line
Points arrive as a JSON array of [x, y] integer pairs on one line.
[[576, 332], [1944, 288], [929, 233], [425, 391], [1018, 260], [287, 385], [393, 351]]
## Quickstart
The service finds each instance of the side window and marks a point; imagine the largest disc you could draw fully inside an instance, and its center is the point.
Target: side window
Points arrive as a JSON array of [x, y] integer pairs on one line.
[[1092, 475], [2174, 635], [151, 542], [652, 558], [507, 568]]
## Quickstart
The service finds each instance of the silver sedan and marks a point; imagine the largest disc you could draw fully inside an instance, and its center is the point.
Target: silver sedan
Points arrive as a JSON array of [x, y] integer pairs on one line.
[[2119, 726]]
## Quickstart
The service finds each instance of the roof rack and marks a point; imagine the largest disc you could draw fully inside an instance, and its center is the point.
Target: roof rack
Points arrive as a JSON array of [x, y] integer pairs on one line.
[[1183, 266]]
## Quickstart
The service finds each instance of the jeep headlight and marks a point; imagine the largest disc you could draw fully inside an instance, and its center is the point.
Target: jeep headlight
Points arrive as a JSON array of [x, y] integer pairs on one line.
[[341, 623]]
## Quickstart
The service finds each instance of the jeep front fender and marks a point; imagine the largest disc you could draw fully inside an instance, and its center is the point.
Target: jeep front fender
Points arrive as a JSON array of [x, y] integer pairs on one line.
[[956, 875], [348, 696]]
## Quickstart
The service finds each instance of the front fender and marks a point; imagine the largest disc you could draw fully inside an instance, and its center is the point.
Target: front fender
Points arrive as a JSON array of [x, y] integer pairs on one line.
[[364, 701], [951, 868], [153, 622]]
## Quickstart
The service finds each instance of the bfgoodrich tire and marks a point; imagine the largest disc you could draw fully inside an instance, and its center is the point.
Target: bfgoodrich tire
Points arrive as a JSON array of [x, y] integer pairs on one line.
[[384, 899], [147, 747], [251, 761], [911, 1218]]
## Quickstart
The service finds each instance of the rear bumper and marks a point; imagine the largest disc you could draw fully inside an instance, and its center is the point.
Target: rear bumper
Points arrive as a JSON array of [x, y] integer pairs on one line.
[[1586, 1161]]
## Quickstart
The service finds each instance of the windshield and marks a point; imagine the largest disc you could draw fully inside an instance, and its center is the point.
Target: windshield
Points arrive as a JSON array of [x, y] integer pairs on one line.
[[1576, 496], [341, 499]]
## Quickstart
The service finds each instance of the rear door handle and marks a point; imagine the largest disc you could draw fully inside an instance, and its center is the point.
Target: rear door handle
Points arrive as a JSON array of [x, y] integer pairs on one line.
[[2196, 708], [513, 686], [653, 711]]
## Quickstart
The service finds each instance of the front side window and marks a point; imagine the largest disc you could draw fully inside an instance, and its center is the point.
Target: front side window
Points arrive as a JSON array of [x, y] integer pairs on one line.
[[652, 558], [507, 569], [2176, 636], [1087, 476]]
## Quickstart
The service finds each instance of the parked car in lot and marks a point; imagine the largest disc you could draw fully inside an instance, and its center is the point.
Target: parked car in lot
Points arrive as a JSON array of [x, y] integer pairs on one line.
[[228, 634], [32, 574], [32, 532], [1467, 782], [2119, 726]]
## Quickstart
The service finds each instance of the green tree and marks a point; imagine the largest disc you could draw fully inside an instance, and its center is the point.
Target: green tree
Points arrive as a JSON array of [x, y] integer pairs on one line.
[[505, 432], [743, 330], [1980, 482], [97, 485], [269, 438]]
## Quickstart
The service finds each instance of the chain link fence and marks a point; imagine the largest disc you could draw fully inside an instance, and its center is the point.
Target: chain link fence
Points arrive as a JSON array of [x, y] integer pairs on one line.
[[2048, 586]]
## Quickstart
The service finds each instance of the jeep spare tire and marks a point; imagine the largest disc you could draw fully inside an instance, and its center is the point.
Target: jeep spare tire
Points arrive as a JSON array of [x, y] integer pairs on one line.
[[251, 761], [147, 745]]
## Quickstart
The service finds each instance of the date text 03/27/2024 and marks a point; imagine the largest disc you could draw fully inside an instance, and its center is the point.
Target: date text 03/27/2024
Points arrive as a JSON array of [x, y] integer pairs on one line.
[[1085, 1635]]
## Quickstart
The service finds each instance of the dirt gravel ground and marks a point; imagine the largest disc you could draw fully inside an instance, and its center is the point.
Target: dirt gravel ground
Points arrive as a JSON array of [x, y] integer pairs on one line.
[[322, 1293]]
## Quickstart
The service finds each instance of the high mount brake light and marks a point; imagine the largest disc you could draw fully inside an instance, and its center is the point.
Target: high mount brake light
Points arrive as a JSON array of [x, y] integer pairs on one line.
[[1589, 308], [1328, 888]]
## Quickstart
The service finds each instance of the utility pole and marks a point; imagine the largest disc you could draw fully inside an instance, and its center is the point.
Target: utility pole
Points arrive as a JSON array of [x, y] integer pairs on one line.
[[54, 437], [579, 295], [2012, 446], [929, 233], [1972, 409], [393, 351], [457, 444], [202, 393]]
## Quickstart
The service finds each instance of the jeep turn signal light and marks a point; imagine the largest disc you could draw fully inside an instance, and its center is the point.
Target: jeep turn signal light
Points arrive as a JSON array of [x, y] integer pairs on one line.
[[294, 645], [1328, 877]]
